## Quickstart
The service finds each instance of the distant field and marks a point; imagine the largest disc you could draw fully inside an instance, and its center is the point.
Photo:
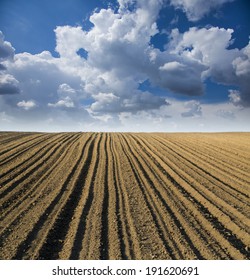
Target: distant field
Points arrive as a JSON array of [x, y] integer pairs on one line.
[[124, 196]]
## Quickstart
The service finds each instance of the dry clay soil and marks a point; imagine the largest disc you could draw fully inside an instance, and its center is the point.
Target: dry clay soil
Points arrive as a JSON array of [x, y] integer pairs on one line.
[[124, 196]]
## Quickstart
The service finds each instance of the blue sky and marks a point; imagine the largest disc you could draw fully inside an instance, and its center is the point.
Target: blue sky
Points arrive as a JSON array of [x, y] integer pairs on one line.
[[126, 65]]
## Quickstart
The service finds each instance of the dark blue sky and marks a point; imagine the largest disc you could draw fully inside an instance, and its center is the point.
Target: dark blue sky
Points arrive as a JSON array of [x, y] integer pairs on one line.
[[30, 24]]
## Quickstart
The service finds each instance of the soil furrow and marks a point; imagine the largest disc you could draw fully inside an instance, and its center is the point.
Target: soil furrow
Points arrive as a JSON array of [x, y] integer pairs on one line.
[[122, 227], [47, 207], [73, 244], [124, 196], [10, 172], [150, 226], [92, 242], [13, 141], [20, 207], [9, 156], [54, 240], [199, 162], [221, 189], [186, 217], [199, 188], [222, 164], [197, 197], [20, 185], [104, 248], [191, 230], [145, 185], [126, 189]]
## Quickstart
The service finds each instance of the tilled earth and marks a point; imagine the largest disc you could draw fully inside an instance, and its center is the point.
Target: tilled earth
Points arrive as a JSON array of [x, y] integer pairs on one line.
[[124, 196]]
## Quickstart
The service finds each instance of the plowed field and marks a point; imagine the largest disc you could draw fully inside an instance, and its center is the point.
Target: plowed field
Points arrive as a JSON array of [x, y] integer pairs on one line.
[[124, 196]]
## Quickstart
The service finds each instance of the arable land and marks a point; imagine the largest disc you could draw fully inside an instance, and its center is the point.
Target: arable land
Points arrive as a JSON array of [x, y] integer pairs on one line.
[[124, 195]]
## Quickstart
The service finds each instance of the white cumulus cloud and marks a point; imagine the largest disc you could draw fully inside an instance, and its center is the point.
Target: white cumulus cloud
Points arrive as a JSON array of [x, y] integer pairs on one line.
[[63, 103], [27, 105], [206, 52]]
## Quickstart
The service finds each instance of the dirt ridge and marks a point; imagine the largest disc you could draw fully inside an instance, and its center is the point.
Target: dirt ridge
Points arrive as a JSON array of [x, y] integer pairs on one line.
[[124, 195]]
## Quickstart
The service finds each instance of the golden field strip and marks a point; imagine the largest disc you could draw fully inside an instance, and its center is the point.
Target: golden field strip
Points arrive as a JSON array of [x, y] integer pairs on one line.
[[124, 196]]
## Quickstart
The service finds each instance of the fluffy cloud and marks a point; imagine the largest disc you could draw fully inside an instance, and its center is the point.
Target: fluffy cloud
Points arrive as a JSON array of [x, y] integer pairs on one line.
[[117, 60], [197, 9], [194, 109], [206, 52], [48, 92], [65, 89], [40, 77], [143, 101], [8, 84], [6, 50], [234, 97], [241, 65], [207, 47], [102, 87], [108, 102], [63, 103], [105, 102], [27, 105], [69, 40], [181, 78]]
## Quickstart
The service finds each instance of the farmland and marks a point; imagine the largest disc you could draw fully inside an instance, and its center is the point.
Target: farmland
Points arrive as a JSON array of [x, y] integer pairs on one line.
[[124, 195]]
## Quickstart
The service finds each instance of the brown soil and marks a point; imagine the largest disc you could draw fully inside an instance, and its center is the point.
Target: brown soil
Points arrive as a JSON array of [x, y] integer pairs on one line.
[[124, 196]]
